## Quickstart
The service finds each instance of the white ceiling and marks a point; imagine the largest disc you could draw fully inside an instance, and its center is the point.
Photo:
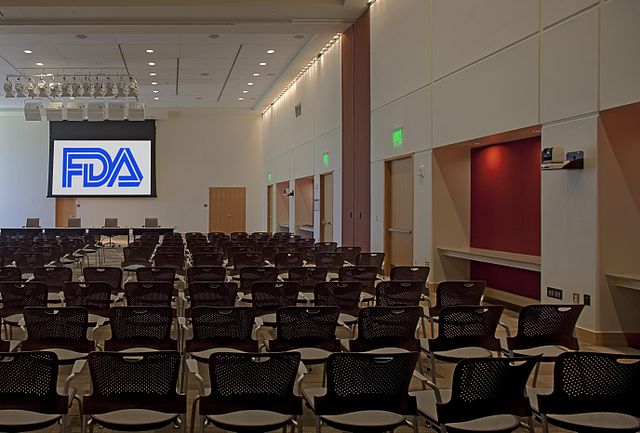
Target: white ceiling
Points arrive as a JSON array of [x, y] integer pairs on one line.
[[193, 69]]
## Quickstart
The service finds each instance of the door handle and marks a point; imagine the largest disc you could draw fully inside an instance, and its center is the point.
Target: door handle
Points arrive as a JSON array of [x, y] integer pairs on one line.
[[396, 230]]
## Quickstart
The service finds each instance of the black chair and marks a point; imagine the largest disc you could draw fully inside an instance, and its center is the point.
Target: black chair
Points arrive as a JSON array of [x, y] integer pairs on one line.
[[250, 392], [487, 394], [135, 257], [27, 261], [207, 259], [349, 253], [249, 259], [592, 392], [398, 293], [16, 296], [454, 293], [326, 247], [268, 296], [10, 274], [363, 274], [142, 396], [30, 388], [148, 293], [345, 295], [307, 277], [251, 274], [412, 273], [465, 331], [112, 276], [206, 273], [386, 329], [140, 328], [156, 274], [170, 260], [54, 278], [212, 293], [365, 393], [94, 296], [332, 261], [59, 330], [286, 261], [371, 259]]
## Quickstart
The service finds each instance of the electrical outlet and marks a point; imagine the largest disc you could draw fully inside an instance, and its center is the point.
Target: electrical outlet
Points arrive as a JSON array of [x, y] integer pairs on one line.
[[576, 298], [554, 293], [587, 299]]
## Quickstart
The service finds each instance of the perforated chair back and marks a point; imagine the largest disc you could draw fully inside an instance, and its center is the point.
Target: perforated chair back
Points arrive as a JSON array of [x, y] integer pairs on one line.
[[309, 254], [268, 296], [306, 327], [151, 222], [453, 293], [54, 278], [410, 273], [251, 274], [95, 296], [17, 296], [170, 260], [140, 327], [252, 381], [243, 260], [308, 277], [286, 261], [28, 261], [380, 327], [222, 327], [10, 274], [331, 261], [212, 293], [345, 295], [364, 274], [167, 275], [64, 328], [467, 326], [594, 382], [145, 380], [207, 259], [74, 222], [33, 223], [371, 259], [546, 325], [349, 253], [206, 273], [326, 247], [500, 391], [112, 276], [30, 381], [136, 255], [398, 293], [365, 381], [148, 293], [111, 222]]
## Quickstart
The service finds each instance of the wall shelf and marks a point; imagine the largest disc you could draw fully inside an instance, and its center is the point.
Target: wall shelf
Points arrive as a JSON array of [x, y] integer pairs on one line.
[[305, 228], [501, 258], [628, 281]]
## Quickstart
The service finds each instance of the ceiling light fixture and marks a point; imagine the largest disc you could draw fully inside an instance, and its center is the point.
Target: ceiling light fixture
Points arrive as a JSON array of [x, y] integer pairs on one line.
[[150, 51], [81, 36], [245, 91], [39, 64], [152, 74], [151, 63], [241, 99], [27, 51], [154, 83], [156, 99], [156, 91], [262, 63], [271, 51], [256, 74]]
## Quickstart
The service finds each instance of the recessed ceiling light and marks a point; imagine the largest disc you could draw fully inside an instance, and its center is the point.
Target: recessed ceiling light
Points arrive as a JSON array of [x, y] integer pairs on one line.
[[155, 91], [256, 75], [152, 74], [263, 63], [249, 84], [240, 99], [81, 36], [154, 83], [271, 51], [214, 36], [150, 51], [28, 51], [39, 64], [151, 63], [156, 98], [298, 37], [205, 74], [245, 91], [198, 98]]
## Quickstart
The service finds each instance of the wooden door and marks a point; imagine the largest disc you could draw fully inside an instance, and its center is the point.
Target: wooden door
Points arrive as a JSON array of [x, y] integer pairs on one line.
[[65, 208], [399, 212], [326, 207], [227, 209], [270, 208]]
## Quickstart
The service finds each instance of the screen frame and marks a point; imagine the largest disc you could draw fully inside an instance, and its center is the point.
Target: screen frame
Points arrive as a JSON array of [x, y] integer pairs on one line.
[[103, 131]]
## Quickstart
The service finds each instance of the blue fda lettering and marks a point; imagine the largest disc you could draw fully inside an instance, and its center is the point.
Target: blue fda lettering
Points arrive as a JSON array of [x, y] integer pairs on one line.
[[96, 168]]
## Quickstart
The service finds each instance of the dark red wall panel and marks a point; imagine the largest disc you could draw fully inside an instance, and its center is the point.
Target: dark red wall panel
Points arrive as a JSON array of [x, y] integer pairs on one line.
[[505, 211]]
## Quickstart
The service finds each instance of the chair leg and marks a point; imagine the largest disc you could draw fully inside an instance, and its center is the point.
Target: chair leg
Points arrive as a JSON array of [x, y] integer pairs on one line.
[[300, 430], [183, 417], [536, 372], [63, 424], [193, 413], [530, 424], [83, 423], [433, 368], [545, 423], [318, 424], [415, 423]]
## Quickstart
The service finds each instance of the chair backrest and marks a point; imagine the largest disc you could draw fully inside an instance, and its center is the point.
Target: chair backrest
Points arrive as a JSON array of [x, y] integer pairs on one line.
[[259, 381], [326, 247], [30, 382], [251, 274], [16, 296], [33, 222], [546, 325], [167, 275], [95, 296], [28, 261], [483, 387], [145, 380], [54, 278], [206, 273], [367, 381], [345, 295], [594, 382], [308, 277], [74, 222], [242, 260], [148, 293], [410, 273], [10, 274], [286, 261], [306, 327], [136, 255], [112, 276], [57, 327], [148, 327], [207, 259], [398, 293], [350, 253], [151, 222], [452, 293], [331, 261], [169, 260], [268, 296], [467, 325], [111, 222], [212, 293], [364, 274], [309, 254], [371, 259], [222, 327], [387, 327]]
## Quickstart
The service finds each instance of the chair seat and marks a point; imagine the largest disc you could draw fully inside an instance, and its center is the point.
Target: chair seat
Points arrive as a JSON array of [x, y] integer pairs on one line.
[[250, 420], [24, 420], [13, 319], [133, 268], [268, 319], [203, 355], [596, 422], [135, 419], [426, 401], [454, 355], [313, 355], [66, 356], [550, 352]]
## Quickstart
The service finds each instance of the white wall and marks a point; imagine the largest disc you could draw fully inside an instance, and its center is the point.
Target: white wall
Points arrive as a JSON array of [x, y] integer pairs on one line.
[[24, 166], [195, 150], [294, 147]]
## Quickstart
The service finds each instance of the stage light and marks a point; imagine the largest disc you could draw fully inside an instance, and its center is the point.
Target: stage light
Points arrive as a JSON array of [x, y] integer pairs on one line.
[[67, 90], [8, 89]]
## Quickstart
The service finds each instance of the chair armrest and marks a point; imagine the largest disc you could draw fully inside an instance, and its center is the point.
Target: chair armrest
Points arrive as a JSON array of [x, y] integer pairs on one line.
[[426, 382], [506, 328], [100, 321], [77, 368], [192, 366], [14, 345]]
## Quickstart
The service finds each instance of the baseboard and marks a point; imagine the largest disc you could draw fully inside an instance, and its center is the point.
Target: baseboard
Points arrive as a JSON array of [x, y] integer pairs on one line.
[[611, 339]]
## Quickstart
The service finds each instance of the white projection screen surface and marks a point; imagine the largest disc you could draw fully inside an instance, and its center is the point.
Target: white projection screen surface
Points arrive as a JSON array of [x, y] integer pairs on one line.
[[99, 168]]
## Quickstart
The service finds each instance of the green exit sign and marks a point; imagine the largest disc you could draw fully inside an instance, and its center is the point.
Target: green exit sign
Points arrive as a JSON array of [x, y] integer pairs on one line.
[[325, 159], [397, 137], [269, 176]]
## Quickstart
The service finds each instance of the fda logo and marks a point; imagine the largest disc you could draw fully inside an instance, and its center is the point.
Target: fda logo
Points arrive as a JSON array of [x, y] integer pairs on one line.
[[95, 168]]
